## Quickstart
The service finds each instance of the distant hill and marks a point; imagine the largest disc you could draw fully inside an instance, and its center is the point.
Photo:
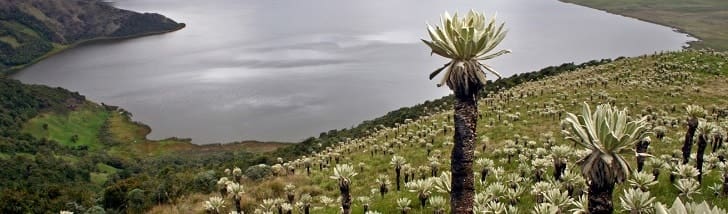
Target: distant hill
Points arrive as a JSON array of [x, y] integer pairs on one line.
[[31, 29]]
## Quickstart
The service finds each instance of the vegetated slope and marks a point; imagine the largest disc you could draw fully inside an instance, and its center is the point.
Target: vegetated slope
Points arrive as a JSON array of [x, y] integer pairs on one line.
[[59, 151], [30, 29], [31, 171], [704, 19], [519, 132]]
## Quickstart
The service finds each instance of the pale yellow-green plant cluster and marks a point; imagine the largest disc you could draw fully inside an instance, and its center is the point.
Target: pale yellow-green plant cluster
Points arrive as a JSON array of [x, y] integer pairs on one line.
[[466, 41]]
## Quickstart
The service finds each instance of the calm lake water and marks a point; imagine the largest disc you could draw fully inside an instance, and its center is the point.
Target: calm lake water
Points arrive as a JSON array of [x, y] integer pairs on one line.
[[285, 70]]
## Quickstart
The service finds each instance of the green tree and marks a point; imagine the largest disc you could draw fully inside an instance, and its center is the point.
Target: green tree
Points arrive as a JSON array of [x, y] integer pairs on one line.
[[466, 42], [609, 134]]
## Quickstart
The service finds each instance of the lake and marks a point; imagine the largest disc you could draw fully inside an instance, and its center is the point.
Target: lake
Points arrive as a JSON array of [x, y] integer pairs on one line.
[[286, 70]]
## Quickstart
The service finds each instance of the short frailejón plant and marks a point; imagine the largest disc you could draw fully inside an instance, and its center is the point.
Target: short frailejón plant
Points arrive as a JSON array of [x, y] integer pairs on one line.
[[609, 135]]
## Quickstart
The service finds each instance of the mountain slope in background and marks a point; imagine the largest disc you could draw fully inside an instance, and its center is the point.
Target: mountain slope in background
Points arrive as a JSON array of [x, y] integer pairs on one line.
[[30, 29]]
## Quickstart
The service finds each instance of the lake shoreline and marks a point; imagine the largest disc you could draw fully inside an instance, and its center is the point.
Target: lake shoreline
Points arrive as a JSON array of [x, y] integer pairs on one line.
[[59, 48], [690, 44]]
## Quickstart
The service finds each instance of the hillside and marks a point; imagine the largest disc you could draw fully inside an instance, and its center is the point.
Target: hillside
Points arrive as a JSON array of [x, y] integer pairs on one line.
[[705, 19], [32, 29], [59, 151], [62, 152], [519, 131]]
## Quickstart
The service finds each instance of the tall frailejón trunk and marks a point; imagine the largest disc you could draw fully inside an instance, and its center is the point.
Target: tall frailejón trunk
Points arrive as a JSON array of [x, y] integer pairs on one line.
[[290, 197], [345, 199], [702, 144], [423, 200], [559, 168], [397, 170], [465, 118], [641, 147], [688, 144], [236, 202], [483, 174], [600, 190], [725, 183], [717, 142]]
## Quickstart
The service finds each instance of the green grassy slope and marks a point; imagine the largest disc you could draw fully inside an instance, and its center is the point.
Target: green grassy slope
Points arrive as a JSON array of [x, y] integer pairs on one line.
[[704, 19], [657, 86], [73, 129]]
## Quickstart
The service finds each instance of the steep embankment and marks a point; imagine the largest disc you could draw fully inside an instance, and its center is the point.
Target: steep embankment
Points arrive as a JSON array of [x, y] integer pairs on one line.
[[704, 19], [519, 139], [33, 29]]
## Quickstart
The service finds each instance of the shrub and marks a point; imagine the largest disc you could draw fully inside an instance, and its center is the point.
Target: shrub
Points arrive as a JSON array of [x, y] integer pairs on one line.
[[258, 171], [205, 181]]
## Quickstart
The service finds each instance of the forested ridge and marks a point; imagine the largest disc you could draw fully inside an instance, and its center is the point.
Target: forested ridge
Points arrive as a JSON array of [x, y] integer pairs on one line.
[[31, 29]]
